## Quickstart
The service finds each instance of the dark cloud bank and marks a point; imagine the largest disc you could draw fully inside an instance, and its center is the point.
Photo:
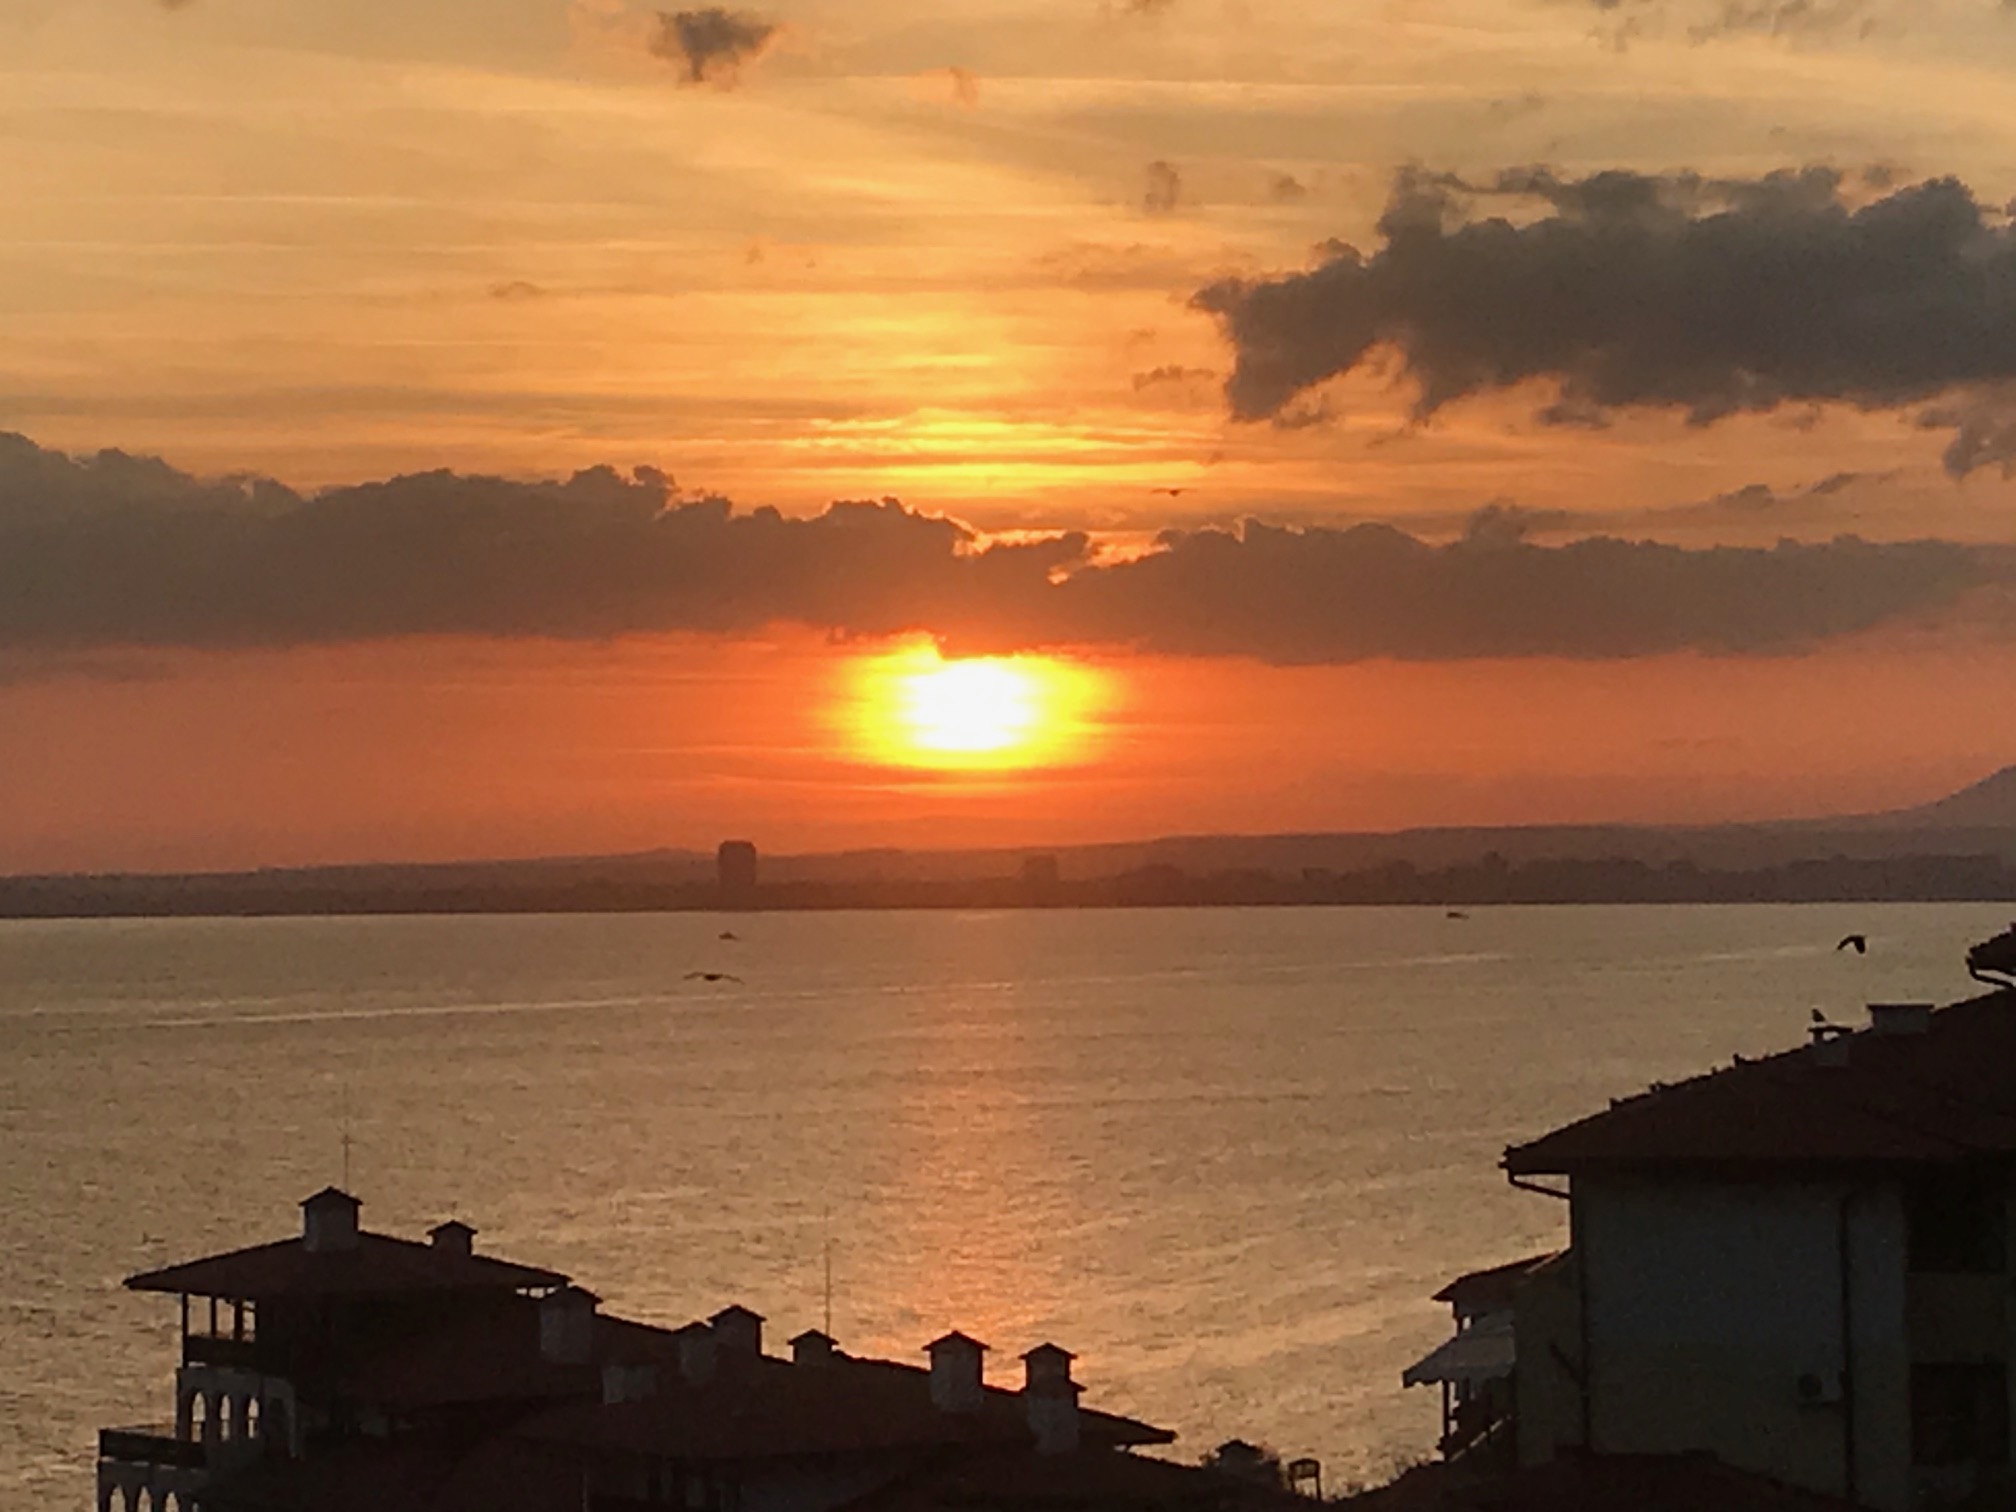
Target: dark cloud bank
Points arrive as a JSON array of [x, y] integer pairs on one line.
[[1709, 297], [114, 551]]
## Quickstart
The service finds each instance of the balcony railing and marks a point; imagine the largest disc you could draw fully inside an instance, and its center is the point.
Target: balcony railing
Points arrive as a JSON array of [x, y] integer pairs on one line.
[[150, 1446], [222, 1349]]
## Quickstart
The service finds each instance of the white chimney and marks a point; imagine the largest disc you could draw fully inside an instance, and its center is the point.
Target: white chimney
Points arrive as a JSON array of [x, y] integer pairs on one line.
[[696, 1353], [567, 1325], [1900, 1018], [739, 1332], [956, 1384], [329, 1222], [453, 1238], [628, 1383], [813, 1348], [1050, 1399]]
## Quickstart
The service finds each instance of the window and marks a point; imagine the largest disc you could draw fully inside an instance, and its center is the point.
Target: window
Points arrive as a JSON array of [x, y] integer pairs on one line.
[[1960, 1414], [1956, 1222]]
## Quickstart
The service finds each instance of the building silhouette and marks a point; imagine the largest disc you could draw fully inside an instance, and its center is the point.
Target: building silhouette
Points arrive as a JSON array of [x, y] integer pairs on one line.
[[342, 1368]]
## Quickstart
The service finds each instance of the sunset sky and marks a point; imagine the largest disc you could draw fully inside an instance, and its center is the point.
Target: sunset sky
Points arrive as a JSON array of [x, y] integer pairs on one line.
[[504, 427]]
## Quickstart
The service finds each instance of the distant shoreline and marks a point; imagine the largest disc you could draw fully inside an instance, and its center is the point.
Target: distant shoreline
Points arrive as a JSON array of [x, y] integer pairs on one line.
[[1491, 882]]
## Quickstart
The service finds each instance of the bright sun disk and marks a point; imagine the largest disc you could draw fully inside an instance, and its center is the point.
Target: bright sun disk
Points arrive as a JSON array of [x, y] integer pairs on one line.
[[913, 708]]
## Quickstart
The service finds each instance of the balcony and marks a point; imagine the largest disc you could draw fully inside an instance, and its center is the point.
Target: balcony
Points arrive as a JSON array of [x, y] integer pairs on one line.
[[221, 1349], [150, 1446]]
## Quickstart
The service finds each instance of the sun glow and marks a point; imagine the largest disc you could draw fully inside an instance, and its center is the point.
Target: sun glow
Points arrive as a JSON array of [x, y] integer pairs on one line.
[[911, 707]]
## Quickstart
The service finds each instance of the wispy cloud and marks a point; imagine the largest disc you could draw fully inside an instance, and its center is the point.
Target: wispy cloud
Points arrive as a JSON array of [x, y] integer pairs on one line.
[[1162, 190]]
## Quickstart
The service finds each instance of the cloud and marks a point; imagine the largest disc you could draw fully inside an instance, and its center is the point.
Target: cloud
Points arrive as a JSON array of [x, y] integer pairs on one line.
[[1709, 297], [1718, 19], [1163, 189], [1285, 188], [126, 555], [965, 86], [517, 291], [1171, 373], [1512, 107], [711, 45], [1503, 523], [1984, 434]]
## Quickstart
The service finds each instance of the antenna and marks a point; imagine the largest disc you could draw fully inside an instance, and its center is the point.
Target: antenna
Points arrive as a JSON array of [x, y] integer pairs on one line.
[[828, 1224], [346, 1140]]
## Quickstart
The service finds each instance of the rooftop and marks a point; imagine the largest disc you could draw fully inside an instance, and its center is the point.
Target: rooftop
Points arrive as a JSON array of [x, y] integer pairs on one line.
[[1490, 1290], [379, 1265], [1076, 1481], [1944, 1093], [767, 1407], [1593, 1483]]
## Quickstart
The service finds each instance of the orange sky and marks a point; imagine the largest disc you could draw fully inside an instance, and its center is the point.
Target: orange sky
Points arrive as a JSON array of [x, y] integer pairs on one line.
[[447, 749], [947, 254]]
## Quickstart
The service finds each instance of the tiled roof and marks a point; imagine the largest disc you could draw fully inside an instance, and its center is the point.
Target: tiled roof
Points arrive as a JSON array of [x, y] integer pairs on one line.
[[1087, 1478], [1945, 1094], [770, 1408], [413, 1474], [1489, 1290], [1592, 1483], [379, 1265]]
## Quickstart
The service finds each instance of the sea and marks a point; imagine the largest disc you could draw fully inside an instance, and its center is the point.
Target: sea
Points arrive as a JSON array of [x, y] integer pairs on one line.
[[1225, 1156]]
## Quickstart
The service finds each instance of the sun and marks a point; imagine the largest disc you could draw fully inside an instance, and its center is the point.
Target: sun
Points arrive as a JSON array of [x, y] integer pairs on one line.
[[911, 707], [970, 707]]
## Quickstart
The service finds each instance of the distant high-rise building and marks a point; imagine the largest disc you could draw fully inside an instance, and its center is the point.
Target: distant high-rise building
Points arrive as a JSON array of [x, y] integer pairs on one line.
[[735, 873]]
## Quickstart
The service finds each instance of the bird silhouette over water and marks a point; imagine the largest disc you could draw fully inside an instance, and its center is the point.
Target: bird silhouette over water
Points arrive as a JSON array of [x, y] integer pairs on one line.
[[712, 976], [1855, 942]]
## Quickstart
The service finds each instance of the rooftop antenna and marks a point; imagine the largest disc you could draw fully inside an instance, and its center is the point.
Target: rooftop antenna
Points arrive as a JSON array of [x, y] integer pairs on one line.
[[346, 1140], [828, 1327]]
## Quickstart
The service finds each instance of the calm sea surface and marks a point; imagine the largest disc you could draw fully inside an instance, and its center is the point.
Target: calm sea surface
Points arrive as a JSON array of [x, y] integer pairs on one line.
[[1223, 1155]]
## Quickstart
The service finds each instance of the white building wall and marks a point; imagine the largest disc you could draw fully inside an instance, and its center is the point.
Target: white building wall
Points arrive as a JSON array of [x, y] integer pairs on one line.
[[1705, 1303]]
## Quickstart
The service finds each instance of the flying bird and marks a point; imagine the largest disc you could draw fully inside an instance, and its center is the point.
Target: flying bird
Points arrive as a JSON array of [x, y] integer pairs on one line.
[[712, 976], [1174, 493], [1858, 943], [728, 934]]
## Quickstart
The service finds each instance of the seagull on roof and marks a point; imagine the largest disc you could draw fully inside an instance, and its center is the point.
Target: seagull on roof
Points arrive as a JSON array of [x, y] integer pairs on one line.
[[712, 976], [1858, 943]]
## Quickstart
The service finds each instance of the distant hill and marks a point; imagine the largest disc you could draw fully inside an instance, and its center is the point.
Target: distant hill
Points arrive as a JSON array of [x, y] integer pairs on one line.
[[1987, 804], [1963, 845]]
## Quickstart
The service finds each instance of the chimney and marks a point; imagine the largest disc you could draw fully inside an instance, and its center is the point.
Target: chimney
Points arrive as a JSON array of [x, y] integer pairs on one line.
[[956, 1384], [1900, 1018], [567, 1325], [453, 1238], [696, 1353], [329, 1222], [1050, 1399], [628, 1383], [739, 1332], [813, 1348], [1830, 1043]]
